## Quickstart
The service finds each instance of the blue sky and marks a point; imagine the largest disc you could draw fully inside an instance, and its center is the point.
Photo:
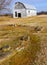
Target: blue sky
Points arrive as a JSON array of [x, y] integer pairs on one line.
[[41, 5]]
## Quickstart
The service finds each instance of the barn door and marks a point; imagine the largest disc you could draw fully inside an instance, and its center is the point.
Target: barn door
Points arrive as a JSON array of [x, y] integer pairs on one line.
[[19, 14], [15, 14]]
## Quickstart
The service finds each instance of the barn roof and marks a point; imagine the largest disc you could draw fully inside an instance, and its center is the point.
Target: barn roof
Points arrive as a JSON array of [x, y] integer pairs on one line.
[[27, 6]]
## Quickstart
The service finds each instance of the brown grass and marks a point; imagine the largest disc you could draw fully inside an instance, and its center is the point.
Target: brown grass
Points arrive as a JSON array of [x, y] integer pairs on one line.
[[25, 26]]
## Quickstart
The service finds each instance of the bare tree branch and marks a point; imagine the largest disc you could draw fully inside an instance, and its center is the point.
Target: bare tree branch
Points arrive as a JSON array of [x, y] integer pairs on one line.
[[4, 4]]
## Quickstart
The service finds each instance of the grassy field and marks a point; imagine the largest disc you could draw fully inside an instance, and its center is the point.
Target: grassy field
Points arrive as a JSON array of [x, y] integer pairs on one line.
[[23, 36], [41, 19]]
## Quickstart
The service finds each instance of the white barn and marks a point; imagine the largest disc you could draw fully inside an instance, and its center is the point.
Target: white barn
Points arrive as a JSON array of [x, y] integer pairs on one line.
[[23, 10]]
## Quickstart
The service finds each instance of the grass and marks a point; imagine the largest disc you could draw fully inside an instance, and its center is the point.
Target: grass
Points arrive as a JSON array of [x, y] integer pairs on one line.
[[10, 31], [4, 18], [33, 45], [11, 35], [26, 56], [35, 20]]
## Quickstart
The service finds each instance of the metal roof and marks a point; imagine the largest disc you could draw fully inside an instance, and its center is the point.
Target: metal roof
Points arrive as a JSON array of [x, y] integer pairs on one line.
[[29, 6], [23, 5]]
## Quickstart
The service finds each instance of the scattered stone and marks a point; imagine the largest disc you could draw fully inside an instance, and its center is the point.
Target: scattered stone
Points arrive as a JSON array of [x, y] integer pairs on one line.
[[6, 48], [38, 28], [24, 38], [19, 49]]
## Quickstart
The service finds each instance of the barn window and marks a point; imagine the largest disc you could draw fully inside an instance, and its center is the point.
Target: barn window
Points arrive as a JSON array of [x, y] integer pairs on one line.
[[28, 11], [16, 14]]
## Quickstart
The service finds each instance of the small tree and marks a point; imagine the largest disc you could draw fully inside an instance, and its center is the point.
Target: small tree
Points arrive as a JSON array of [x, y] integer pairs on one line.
[[4, 5]]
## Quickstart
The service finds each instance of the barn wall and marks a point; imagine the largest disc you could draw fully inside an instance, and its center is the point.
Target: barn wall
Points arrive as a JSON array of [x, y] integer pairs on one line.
[[22, 11], [13, 13], [31, 12]]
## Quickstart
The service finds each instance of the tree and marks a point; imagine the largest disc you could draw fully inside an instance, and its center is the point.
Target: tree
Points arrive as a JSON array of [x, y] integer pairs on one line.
[[4, 5]]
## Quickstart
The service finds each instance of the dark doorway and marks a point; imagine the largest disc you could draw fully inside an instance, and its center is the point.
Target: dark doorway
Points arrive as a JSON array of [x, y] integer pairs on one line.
[[19, 14], [15, 14]]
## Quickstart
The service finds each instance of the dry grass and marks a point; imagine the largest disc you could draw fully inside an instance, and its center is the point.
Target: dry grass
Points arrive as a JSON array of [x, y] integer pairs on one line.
[[25, 56], [14, 34], [11, 35], [35, 20]]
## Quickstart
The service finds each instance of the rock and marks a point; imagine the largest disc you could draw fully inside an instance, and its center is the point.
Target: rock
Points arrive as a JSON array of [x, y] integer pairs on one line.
[[6, 48], [38, 28], [24, 37]]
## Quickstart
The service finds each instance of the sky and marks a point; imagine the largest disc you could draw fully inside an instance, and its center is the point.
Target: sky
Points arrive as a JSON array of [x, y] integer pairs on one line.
[[41, 5]]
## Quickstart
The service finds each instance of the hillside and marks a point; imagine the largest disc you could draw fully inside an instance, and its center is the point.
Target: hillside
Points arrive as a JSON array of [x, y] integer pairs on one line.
[[23, 41]]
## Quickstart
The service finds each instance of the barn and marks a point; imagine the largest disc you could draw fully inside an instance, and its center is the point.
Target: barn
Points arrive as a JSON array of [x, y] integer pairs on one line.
[[23, 10]]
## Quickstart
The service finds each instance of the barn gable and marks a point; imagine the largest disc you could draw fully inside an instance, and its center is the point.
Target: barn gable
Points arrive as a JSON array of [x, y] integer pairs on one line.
[[19, 5]]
